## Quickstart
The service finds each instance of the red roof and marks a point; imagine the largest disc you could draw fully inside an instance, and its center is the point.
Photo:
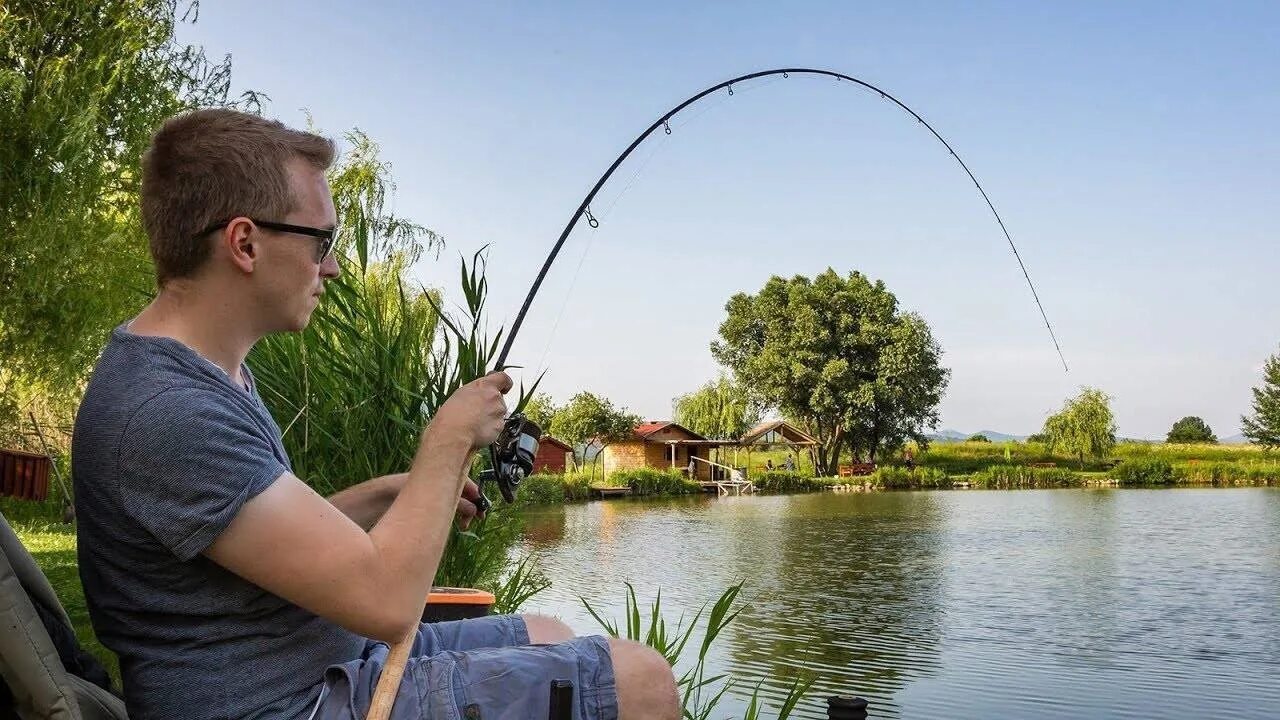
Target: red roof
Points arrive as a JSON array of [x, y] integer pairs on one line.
[[549, 440], [644, 430]]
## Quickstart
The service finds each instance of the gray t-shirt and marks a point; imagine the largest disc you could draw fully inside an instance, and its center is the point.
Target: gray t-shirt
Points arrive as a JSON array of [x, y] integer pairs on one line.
[[166, 450]]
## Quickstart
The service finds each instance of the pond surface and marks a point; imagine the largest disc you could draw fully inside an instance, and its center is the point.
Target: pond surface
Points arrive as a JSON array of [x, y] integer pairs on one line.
[[1096, 603]]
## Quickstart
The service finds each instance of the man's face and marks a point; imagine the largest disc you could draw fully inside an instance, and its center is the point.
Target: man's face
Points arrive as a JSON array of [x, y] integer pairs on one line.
[[292, 279]]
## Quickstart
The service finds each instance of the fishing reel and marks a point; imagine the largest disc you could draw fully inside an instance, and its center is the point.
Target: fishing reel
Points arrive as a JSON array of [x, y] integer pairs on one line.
[[511, 458]]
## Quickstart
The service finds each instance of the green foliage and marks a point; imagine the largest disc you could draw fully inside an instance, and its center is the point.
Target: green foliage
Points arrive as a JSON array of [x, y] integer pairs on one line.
[[719, 409], [553, 488], [1084, 427], [541, 409], [1228, 473], [1263, 426], [838, 355], [1145, 472], [648, 481], [82, 87], [593, 422], [1191, 429], [781, 481], [898, 478], [979, 438], [1008, 477], [699, 694]]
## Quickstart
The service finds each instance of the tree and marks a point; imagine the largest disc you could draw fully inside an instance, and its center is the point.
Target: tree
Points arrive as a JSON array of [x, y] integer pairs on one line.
[[1263, 427], [979, 438], [839, 356], [83, 84], [541, 409], [719, 409], [1084, 426], [1191, 429], [592, 422]]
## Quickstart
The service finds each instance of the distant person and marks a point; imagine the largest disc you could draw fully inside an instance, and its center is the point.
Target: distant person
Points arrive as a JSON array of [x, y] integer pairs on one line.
[[789, 464], [768, 464], [909, 459], [692, 468]]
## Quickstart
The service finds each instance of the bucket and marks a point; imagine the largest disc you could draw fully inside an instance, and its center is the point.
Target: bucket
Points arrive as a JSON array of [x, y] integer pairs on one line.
[[450, 603]]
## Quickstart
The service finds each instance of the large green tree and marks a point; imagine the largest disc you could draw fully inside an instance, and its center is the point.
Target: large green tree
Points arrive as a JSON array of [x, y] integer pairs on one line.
[[1191, 429], [83, 83], [719, 409], [1263, 426], [1085, 427], [838, 355], [592, 422]]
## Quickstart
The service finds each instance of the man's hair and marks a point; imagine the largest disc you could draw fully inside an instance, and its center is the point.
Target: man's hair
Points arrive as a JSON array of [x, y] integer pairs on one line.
[[211, 165]]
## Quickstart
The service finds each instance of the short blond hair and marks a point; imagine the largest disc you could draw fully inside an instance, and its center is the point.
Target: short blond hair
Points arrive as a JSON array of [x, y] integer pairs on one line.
[[211, 165]]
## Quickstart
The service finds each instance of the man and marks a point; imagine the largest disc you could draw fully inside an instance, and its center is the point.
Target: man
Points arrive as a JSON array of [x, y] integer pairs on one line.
[[225, 584]]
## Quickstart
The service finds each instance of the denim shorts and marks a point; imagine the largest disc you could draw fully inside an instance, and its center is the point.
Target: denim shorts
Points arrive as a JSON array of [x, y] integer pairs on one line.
[[480, 669]]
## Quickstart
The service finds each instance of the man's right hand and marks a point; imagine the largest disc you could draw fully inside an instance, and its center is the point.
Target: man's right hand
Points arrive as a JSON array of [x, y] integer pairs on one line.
[[475, 412]]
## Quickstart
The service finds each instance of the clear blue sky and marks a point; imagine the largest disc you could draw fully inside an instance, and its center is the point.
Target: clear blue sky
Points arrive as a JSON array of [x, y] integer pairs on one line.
[[1131, 147]]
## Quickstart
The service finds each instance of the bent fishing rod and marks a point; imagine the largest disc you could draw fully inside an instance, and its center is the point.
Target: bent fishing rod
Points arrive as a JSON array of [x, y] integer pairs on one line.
[[512, 454]]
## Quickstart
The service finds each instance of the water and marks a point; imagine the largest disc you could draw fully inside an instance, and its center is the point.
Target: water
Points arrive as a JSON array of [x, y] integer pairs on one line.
[[992, 604]]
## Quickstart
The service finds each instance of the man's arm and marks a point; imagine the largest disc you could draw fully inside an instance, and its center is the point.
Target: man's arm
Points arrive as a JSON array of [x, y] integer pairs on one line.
[[365, 503], [292, 542]]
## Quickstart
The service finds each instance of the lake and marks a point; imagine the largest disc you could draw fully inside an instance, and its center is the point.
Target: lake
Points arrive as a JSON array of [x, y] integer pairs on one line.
[[1077, 603]]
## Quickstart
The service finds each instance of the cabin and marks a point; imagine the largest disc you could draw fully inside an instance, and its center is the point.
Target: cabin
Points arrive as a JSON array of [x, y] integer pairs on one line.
[[554, 455], [663, 445], [775, 434]]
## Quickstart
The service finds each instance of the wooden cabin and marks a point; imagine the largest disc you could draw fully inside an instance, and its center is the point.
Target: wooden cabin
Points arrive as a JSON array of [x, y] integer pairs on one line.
[[662, 445], [554, 455]]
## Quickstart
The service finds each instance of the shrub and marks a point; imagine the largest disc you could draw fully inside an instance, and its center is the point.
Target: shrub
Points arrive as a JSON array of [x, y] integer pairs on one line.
[[541, 489], [1003, 477], [781, 481], [898, 478], [648, 481], [1144, 472]]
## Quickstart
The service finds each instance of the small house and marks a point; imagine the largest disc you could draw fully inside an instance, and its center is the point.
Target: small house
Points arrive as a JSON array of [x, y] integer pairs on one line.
[[663, 445], [554, 455]]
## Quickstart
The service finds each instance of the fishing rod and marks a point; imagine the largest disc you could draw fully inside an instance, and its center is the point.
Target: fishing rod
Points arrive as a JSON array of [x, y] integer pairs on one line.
[[512, 455]]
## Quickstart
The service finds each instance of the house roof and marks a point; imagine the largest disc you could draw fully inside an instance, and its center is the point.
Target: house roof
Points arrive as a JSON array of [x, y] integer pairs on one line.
[[644, 430], [789, 432], [549, 440]]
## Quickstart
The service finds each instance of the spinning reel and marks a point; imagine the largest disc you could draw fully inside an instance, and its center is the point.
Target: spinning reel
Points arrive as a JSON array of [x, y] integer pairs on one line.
[[511, 459]]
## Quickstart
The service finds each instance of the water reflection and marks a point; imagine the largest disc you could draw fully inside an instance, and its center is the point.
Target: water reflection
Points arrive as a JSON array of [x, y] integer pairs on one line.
[[1066, 603]]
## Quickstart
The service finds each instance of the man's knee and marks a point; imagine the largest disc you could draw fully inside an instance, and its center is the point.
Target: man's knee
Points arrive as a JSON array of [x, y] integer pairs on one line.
[[544, 630], [646, 685]]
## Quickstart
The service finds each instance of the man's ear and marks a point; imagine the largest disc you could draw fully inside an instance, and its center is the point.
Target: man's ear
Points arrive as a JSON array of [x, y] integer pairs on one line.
[[238, 238]]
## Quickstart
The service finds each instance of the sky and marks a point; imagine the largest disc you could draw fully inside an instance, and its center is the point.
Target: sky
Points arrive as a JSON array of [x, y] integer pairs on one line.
[[1130, 147]]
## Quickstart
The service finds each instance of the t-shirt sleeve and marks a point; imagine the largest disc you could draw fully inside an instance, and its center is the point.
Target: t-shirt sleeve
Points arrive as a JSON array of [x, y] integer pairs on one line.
[[189, 459]]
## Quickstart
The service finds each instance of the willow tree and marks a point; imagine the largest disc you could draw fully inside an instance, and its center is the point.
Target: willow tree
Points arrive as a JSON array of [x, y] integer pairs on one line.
[[1084, 427], [83, 83], [719, 409]]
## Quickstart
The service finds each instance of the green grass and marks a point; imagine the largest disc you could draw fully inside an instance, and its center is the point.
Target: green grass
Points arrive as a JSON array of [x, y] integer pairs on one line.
[[53, 545]]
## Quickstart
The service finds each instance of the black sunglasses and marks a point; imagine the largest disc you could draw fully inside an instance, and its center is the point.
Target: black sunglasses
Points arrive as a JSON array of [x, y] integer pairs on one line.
[[326, 236]]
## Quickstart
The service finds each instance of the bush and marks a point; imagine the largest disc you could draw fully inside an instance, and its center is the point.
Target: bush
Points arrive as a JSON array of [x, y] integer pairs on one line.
[[1004, 477], [898, 478], [1227, 473], [541, 489], [782, 481], [1144, 472], [648, 481]]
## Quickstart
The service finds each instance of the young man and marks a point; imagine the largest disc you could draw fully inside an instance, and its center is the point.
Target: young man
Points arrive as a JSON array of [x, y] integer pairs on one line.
[[226, 585]]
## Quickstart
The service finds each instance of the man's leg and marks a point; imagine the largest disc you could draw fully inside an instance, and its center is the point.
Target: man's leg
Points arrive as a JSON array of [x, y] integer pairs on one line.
[[545, 630], [646, 686]]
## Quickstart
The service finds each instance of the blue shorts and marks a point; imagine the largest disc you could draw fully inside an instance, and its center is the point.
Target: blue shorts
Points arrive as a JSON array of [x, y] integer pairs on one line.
[[481, 669]]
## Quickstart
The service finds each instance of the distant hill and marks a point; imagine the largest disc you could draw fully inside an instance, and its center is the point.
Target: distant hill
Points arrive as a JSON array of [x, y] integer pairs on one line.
[[1234, 440], [949, 435]]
